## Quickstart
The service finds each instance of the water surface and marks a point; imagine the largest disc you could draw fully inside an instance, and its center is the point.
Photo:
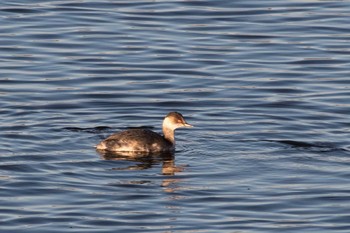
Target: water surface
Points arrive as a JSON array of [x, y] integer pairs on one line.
[[265, 83]]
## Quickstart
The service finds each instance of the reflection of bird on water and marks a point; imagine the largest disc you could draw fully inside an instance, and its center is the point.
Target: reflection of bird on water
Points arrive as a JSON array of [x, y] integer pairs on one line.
[[144, 140], [145, 162]]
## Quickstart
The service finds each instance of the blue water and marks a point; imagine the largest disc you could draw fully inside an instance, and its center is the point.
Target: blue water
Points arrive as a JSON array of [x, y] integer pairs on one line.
[[265, 83]]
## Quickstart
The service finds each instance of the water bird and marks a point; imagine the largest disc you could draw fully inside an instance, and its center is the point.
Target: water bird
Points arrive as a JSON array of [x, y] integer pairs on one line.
[[145, 140]]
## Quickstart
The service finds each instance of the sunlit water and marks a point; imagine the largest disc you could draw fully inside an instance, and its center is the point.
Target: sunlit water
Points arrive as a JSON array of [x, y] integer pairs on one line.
[[265, 83]]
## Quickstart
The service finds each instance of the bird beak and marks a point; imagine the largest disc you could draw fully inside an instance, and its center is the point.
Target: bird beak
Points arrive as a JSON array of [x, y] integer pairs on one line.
[[188, 125]]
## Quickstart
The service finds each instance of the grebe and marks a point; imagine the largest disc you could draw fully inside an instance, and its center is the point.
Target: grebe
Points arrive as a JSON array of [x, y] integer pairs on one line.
[[144, 140]]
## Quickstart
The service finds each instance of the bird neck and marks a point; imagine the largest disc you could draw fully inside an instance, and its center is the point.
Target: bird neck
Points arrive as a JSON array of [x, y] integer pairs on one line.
[[169, 134]]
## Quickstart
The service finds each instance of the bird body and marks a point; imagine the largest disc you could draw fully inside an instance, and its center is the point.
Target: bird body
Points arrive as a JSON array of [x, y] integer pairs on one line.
[[144, 140]]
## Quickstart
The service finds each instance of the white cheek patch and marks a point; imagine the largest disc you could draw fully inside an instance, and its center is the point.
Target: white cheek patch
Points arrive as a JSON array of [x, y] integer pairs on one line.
[[167, 123]]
